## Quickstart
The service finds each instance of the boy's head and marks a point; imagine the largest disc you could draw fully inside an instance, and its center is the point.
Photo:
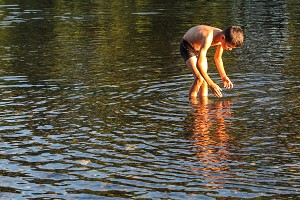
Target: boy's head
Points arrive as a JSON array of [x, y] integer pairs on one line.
[[234, 35]]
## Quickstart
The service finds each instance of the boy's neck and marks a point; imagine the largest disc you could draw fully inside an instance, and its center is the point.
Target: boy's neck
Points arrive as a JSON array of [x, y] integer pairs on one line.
[[218, 37]]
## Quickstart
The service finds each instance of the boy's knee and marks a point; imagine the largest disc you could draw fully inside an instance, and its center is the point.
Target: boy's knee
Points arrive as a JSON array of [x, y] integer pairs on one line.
[[198, 78]]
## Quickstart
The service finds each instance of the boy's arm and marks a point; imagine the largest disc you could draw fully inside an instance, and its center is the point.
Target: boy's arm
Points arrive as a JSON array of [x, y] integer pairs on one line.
[[219, 63], [201, 63]]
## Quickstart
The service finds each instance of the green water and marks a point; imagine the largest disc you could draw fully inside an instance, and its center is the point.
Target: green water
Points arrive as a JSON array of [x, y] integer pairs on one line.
[[94, 102]]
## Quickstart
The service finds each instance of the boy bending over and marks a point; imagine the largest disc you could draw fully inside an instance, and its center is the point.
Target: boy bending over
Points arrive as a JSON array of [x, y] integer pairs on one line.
[[193, 49]]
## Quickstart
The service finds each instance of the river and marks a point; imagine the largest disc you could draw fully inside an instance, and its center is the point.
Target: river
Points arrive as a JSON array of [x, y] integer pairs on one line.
[[94, 102]]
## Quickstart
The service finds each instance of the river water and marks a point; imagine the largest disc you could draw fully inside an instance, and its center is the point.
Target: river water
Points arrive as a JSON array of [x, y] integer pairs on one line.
[[94, 102]]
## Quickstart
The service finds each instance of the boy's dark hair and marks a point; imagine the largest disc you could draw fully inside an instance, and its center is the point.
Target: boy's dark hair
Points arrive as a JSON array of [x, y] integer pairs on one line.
[[234, 35]]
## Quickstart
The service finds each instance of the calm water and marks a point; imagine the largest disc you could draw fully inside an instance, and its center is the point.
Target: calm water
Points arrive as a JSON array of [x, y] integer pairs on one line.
[[94, 102]]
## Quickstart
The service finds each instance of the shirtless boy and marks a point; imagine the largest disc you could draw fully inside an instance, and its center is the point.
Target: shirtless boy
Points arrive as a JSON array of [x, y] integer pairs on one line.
[[193, 49]]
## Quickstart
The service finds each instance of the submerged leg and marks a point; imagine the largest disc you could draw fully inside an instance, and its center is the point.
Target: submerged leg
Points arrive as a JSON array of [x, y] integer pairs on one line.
[[204, 88], [194, 89], [192, 65]]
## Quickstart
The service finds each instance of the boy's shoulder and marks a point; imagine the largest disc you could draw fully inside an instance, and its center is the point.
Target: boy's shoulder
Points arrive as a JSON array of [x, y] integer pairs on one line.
[[205, 30], [208, 28]]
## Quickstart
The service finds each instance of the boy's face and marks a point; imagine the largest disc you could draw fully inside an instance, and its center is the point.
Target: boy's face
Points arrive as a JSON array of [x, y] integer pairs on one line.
[[227, 46]]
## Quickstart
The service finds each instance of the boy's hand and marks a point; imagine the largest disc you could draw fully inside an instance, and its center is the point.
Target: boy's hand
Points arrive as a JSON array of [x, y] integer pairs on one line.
[[216, 90], [227, 83]]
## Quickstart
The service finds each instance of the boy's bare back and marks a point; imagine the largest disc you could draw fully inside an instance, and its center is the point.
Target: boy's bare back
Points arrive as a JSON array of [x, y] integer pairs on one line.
[[198, 34]]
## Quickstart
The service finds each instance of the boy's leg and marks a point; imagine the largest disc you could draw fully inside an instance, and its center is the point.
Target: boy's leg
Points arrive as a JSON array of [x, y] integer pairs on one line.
[[192, 65], [204, 88]]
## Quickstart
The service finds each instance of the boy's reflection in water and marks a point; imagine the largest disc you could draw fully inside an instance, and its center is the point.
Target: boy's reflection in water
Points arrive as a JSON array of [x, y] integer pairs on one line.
[[210, 136]]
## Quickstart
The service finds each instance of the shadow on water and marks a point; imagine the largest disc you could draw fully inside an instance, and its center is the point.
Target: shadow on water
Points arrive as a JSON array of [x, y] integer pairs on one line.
[[210, 133]]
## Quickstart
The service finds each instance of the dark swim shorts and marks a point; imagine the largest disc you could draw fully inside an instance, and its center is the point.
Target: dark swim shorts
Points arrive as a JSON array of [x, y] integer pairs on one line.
[[187, 50]]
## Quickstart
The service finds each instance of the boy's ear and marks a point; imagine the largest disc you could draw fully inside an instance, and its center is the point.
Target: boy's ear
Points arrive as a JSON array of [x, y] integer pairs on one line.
[[223, 37]]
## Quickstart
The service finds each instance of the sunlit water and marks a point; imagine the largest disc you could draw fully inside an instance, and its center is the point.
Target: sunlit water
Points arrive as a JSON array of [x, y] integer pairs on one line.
[[94, 102]]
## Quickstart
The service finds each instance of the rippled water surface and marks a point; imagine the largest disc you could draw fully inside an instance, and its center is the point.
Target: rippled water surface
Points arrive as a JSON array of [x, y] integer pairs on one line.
[[94, 102]]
